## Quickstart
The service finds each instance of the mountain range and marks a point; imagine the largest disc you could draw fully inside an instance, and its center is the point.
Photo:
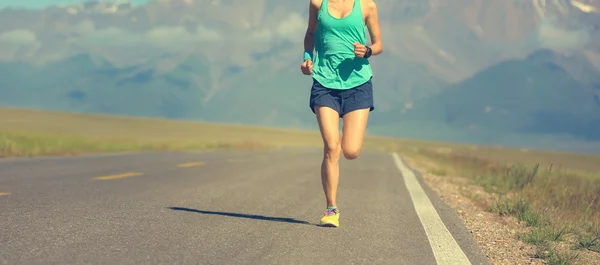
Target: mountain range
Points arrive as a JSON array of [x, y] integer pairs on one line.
[[522, 72]]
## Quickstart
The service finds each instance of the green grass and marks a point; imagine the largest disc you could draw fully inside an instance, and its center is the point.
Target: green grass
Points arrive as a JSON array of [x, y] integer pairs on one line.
[[520, 208], [438, 171]]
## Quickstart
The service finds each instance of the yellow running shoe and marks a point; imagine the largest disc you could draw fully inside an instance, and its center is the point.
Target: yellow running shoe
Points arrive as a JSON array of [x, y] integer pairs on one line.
[[331, 218]]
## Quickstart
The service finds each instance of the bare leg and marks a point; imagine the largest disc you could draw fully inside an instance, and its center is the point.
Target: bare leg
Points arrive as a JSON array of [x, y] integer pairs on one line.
[[328, 120], [355, 124]]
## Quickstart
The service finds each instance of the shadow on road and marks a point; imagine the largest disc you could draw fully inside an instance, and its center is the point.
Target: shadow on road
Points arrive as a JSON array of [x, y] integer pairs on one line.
[[240, 215]]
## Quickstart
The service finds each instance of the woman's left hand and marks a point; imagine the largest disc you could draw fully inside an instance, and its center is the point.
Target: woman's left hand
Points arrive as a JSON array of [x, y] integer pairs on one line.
[[359, 50]]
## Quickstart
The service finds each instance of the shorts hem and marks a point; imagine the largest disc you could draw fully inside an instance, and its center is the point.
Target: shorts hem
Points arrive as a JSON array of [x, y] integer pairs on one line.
[[370, 107]]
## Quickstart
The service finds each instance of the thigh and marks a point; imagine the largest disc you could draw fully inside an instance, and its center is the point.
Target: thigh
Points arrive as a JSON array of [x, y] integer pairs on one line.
[[328, 120], [355, 124]]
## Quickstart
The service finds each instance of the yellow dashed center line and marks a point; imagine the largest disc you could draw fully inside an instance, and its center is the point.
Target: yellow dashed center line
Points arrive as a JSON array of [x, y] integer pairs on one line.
[[262, 158], [4, 193], [234, 160], [118, 176], [191, 164]]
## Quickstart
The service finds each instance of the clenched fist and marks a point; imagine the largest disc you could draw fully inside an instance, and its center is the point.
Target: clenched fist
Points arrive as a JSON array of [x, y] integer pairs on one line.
[[359, 50], [307, 67]]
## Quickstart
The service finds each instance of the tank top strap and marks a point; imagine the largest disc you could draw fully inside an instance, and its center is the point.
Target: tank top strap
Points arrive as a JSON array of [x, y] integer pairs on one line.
[[324, 7], [356, 4], [357, 10]]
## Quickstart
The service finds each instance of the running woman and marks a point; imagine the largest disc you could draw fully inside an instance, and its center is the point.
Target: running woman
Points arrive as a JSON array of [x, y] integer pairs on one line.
[[342, 85]]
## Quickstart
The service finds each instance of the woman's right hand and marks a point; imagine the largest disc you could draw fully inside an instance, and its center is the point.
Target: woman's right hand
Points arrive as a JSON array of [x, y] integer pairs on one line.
[[307, 67]]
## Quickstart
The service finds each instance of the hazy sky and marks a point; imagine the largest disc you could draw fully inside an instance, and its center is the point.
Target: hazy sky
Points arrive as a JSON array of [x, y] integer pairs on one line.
[[45, 3]]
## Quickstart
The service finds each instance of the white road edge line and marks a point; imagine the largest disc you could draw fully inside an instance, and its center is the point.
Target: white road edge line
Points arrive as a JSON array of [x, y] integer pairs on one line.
[[444, 246]]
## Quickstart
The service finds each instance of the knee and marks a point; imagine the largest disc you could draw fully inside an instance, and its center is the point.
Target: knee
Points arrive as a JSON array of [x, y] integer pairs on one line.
[[351, 153], [332, 151]]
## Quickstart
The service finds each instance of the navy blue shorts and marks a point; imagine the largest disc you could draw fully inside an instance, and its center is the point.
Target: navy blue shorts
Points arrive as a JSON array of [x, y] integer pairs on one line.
[[342, 100]]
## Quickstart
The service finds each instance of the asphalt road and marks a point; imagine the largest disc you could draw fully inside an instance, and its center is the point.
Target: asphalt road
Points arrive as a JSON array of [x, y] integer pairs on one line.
[[222, 208]]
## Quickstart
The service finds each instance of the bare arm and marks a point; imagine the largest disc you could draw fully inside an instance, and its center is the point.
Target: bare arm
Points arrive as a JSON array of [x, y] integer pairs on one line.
[[372, 21], [309, 37]]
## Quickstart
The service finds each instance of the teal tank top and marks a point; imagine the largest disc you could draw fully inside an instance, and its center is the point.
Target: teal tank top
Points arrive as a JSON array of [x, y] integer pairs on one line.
[[335, 66]]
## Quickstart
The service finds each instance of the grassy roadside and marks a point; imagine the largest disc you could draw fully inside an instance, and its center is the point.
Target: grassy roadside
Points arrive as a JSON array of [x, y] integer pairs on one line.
[[555, 195], [26, 132], [26, 144]]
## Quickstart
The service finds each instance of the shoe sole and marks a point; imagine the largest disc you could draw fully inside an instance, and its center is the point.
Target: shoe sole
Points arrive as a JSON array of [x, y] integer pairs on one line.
[[328, 225]]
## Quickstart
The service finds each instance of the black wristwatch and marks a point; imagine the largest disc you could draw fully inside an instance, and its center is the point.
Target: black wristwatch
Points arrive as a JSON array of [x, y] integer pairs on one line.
[[368, 52]]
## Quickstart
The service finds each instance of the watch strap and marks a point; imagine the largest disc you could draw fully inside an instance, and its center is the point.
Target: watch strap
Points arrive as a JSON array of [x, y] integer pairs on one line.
[[369, 52]]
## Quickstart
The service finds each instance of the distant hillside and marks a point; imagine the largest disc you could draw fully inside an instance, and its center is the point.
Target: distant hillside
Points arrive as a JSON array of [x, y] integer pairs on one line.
[[183, 91], [530, 96]]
